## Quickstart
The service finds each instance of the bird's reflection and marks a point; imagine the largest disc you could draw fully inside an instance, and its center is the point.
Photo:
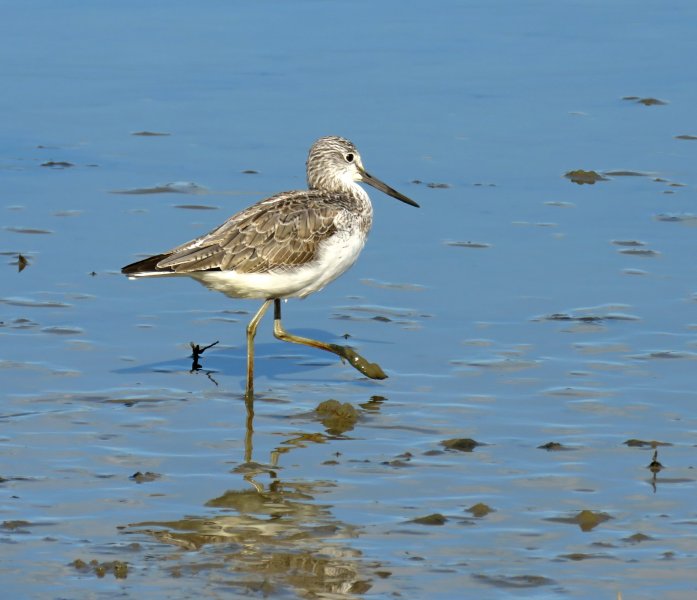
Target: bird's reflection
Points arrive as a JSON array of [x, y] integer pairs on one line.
[[271, 535]]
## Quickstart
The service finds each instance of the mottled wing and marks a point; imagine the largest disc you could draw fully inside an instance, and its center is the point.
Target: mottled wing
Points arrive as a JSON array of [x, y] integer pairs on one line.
[[275, 234]]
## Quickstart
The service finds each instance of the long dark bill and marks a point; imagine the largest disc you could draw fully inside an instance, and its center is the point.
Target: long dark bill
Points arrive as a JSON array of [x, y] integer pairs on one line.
[[383, 187]]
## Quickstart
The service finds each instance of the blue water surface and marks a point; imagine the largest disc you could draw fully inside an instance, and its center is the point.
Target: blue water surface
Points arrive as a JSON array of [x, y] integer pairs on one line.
[[515, 307]]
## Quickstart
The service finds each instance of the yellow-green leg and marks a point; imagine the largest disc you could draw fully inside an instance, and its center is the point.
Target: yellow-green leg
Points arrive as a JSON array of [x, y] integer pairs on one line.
[[251, 332], [368, 369]]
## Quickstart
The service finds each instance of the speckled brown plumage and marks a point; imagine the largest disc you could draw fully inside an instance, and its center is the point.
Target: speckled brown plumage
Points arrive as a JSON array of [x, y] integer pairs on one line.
[[289, 245], [279, 232]]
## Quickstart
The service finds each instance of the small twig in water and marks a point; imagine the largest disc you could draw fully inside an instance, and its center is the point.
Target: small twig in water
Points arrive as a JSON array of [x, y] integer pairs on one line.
[[196, 352]]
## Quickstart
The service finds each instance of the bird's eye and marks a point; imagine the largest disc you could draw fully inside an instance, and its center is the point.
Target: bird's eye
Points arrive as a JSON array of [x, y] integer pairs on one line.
[[349, 157]]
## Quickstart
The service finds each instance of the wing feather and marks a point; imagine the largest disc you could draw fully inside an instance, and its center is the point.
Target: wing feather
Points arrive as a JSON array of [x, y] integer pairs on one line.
[[274, 234]]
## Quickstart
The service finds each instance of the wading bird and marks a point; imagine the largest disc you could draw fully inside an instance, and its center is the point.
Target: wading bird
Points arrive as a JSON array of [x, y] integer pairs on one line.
[[286, 246]]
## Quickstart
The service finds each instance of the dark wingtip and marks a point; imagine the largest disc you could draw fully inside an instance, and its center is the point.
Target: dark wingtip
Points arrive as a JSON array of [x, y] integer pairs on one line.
[[147, 265]]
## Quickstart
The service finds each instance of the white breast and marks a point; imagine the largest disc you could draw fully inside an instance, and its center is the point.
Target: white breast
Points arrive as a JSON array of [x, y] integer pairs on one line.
[[334, 257]]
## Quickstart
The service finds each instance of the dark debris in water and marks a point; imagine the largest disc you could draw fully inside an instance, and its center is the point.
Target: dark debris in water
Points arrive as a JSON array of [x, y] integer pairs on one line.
[[57, 164], [16, 525], [116, 568], [20, 323], [373, 404], [196, 207], [196, 352], [645, 101], [438, 186], [150, 133], [577, 556], [461, 444], [686, 136], [554, 447], [629, 243], [655, 466], [479, 510], [432, 184], [146, 477], [22, 262], [665, 354], [644, 252], [6, 479], [625, 174], [587, 520], [587, 318], [196, 367], [62, 330], [635, 443], [403, 317], [402, 460], [513, 581], [177, 187], [28, 230], [581, 176], [468, 244], [637, 538], [432, 519], [668, 182], [568, 317], [336, 417], [688, 218], [27, 302]]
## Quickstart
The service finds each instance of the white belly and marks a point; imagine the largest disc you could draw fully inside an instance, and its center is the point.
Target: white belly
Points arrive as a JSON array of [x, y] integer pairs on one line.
[[335, 256]]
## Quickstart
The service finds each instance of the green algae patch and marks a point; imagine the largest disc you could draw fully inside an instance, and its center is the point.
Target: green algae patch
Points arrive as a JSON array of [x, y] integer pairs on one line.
[[460, 444], [587, 520], [337, 417], [581, 176], [645, 101], [117, 568], [432, 519], [635, 443], [479, 510]]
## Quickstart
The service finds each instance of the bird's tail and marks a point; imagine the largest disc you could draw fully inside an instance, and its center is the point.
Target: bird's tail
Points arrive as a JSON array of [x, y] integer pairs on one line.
[[147, 266]]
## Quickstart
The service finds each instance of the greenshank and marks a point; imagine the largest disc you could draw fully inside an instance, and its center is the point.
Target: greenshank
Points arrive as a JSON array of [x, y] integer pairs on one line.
[[287, 246]]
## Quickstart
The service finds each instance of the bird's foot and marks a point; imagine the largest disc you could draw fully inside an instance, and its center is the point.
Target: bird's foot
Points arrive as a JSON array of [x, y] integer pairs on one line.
[[372, 370]]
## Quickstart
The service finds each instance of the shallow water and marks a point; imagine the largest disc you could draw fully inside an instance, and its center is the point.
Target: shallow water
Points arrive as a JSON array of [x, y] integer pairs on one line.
[[552, 322]]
